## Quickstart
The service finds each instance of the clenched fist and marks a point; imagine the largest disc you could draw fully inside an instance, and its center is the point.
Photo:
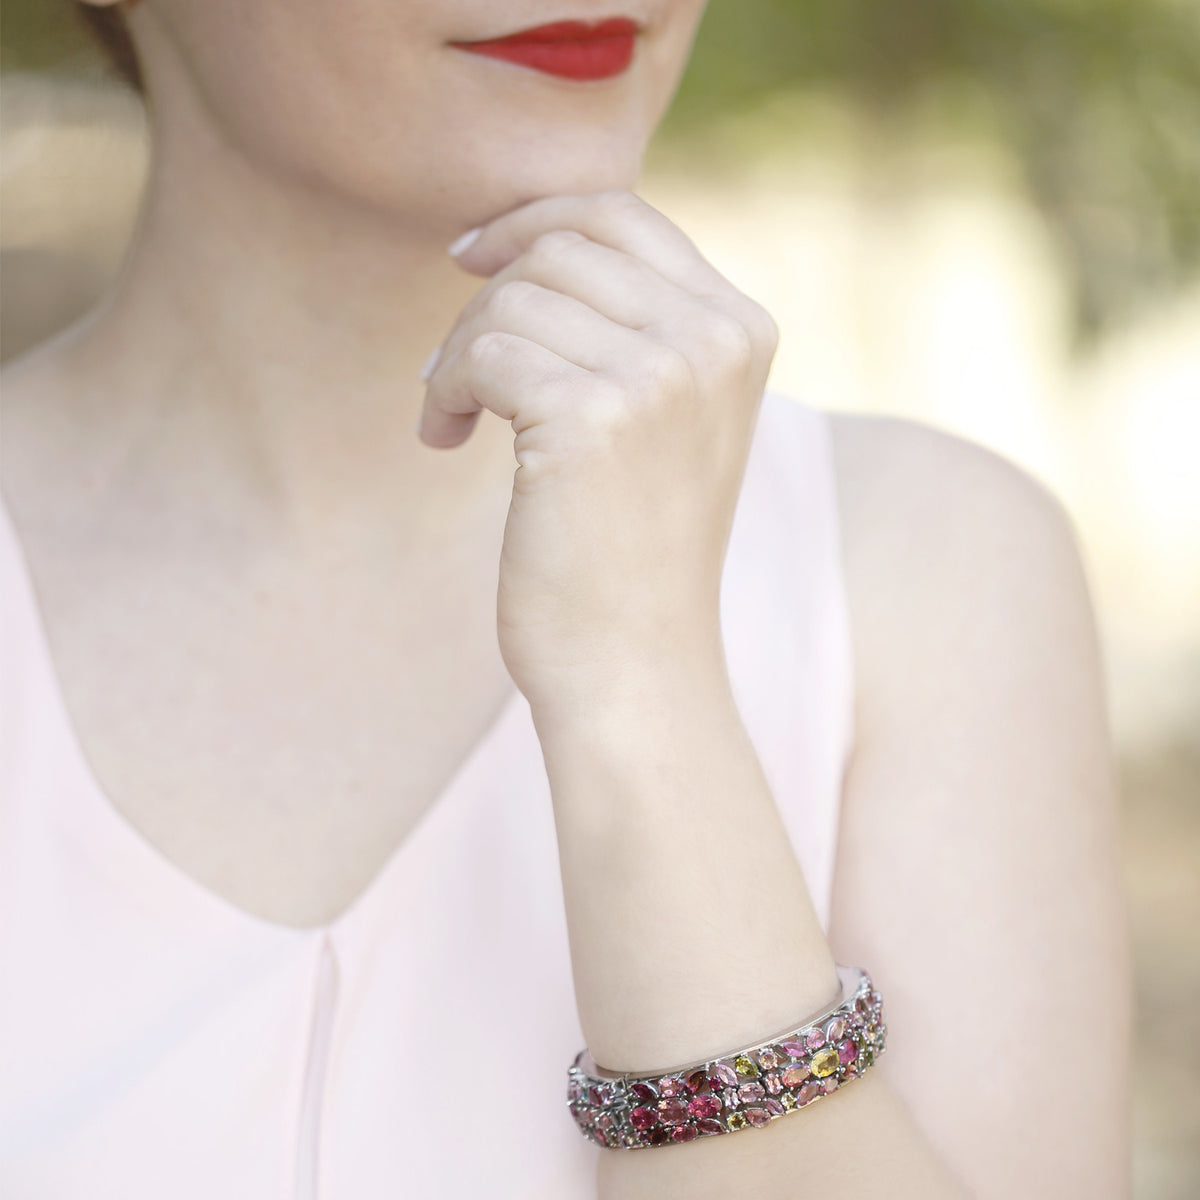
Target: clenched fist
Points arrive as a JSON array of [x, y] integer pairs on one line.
[[632, 373]]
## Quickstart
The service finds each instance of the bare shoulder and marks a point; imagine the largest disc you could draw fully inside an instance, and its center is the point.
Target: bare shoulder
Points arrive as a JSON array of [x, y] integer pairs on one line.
[[977, 867]]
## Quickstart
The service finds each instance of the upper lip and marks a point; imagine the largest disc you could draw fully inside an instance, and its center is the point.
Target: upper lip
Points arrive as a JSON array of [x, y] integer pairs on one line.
[[568, 30]]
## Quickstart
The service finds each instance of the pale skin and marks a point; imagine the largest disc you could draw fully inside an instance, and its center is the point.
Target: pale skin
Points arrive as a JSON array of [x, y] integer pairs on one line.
[[227, 447]]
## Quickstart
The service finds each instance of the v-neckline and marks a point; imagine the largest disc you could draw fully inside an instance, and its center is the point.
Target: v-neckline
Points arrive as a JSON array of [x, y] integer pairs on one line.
[[101, 807]]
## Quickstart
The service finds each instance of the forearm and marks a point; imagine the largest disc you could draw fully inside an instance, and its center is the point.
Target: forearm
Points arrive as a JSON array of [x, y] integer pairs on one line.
[[692, 934]]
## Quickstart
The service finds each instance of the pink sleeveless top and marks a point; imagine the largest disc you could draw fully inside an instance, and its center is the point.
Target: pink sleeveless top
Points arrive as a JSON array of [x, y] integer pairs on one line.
[[158, 1041]]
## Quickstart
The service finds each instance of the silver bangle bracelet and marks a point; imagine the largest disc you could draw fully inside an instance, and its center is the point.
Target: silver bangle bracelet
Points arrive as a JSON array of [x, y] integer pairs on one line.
[[745, 1089]]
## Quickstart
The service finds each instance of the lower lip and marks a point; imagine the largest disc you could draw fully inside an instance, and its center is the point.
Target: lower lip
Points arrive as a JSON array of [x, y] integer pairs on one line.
[[567, 49]]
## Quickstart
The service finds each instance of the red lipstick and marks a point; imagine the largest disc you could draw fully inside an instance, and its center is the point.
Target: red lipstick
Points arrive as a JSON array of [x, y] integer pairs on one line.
[[570, 49]]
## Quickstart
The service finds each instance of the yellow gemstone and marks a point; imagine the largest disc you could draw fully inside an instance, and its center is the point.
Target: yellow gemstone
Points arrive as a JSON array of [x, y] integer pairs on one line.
[[735, 1121], [824, 1062], [745, 1066], [787, 1100]]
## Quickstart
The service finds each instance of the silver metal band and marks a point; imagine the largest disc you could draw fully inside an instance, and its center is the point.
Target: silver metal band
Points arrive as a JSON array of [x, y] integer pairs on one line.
[[747, 1088]]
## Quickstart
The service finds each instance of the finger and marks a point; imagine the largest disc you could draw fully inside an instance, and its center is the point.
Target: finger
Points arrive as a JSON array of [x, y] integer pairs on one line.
[[516, 379], [570, 328], [619, 219]]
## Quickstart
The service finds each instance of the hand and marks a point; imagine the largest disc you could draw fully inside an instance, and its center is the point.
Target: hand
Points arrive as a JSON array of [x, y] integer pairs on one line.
[[632, 373]]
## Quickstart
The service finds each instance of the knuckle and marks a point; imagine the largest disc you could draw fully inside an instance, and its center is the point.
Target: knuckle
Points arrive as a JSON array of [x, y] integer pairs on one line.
[[553, 245], [727, 339], [668, 369], [512, 297], [483, 349], [618, 203]]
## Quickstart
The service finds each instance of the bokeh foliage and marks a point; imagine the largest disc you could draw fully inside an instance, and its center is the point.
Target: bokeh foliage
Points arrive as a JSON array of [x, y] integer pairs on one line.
[[1097, 100]]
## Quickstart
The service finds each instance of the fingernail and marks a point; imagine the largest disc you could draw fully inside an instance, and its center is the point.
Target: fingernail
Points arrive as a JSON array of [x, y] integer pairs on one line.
[[459, 244], [431, 362]]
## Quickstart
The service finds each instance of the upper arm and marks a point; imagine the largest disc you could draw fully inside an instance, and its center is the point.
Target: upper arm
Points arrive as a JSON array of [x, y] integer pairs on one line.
[[977, 872]]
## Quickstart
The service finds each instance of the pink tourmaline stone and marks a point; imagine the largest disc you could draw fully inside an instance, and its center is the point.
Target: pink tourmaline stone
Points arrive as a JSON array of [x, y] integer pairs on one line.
[[758, 1117], [643, 1118], [671, 1085], [672, 1112], [658, 1136], [730, 1096], [704, 1106], [772, 1084], [814, 1039], [697, 1081], [724, 1074], [794, 1076], [683, 1133], [768, 1059], [847, 1052], [709, 1126], [749, 1093], [829, 1085], [794, 1049], [835, 1029], [644, 1092], [595, 1096], [774, 1107]]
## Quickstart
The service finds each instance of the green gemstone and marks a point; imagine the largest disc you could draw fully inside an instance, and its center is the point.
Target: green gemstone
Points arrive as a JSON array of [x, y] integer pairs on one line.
[[745, 1066]]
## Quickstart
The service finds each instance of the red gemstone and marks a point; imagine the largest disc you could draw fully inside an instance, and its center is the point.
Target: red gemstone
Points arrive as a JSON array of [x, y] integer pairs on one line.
[[671, 1085], [847, 1052], [643, 1092], [595, 1096], [684, 1133], [672, 1112], [697, 1081], [643, 1118], [704, 1106], [748, 1093], [758, 1117], [658, 1136], [709, 1126]]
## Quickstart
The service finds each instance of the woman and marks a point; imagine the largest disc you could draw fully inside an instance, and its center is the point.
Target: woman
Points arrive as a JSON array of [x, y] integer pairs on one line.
[[354, 782]]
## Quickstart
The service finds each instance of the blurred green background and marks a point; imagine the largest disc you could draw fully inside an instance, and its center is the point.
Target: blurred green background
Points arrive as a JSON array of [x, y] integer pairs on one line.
[[982, 214]]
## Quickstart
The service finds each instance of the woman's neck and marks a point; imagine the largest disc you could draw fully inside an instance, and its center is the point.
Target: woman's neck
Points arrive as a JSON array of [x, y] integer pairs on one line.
[[263, 340]]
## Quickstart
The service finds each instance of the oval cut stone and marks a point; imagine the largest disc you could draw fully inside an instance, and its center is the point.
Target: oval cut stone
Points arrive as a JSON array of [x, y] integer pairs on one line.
[[658, 1136], [772, 1083], [794, 1076], [643, 1118], [643, 1092], [697, 1081], [829, 1085], [787, 1100], [724, 1075], [683, 1133], [745, 1066], [709, 1126], [672, 1112], [750, 1093], [671, 1085], [703, 1107], [773, 1107], [808, 1093], [794, 1049], [730, 1096], [814, 1039], [758, 1117], [825, 1062], [847, 1051], [835, 1029]]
